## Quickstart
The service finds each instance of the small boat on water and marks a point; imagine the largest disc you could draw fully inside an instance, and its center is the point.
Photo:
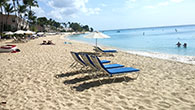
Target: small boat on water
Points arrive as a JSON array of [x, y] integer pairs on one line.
[[9, 48]]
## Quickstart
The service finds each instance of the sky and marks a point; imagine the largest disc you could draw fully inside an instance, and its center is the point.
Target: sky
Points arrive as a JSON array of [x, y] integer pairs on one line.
[[119, 14]]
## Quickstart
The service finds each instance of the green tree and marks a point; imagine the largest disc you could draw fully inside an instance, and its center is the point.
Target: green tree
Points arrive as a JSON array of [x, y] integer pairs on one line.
[[22, 10], [31, 3], [91, 29], [86, 28], [15, 10], [76, 27], [64, 24], [31, 14], [31, 17], [2, 4], [42, 21], [8, 9]]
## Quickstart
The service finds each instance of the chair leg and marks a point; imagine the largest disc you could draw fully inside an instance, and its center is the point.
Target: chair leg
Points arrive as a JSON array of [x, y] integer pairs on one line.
[[137, 75], [72, 64], [99, 80], [113, 80], [125, 78]]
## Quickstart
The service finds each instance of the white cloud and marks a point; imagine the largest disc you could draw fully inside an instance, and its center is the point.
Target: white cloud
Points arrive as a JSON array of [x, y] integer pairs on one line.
[[177, 1], [131, 0], [130, 3], [64, 8], [39, 11], [163, 4], [103, 5], [149, 7]]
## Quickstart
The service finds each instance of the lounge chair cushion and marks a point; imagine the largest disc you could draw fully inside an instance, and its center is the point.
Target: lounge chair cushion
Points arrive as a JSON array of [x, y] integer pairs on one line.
[[122, 70], [105, 61], [109, 51], [113, 66], [97, 48]]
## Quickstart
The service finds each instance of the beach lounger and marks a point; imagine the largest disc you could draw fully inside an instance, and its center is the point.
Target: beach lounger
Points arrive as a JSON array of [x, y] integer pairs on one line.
[[113, 71], [97, 49], [89, 62], [78, 60]]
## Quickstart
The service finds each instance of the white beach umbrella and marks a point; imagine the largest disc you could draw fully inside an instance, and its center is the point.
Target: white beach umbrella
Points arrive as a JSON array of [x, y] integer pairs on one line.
[[19, 32], [97, 35], [40, 33], [29, 32], [9, 33]]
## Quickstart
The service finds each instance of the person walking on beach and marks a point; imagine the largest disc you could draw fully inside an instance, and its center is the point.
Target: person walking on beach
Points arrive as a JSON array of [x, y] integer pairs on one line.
[[178, 44], [185, 45]]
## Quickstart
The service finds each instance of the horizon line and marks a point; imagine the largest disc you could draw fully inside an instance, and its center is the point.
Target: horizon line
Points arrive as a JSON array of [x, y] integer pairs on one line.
[[150, 27]]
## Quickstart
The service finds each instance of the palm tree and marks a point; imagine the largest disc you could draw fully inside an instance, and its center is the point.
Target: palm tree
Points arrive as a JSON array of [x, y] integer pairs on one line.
[[8, 9], [14, 6], [31, 3], [2, 3], [69, 24], [18, 13], [65, 25], [22, 11]]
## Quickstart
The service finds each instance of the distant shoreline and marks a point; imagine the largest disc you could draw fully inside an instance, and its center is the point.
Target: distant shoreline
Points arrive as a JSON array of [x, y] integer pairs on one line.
[[185, 25]]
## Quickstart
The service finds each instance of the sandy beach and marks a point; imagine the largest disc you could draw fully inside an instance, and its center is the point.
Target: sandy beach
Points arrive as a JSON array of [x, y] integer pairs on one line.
[[28, 81]]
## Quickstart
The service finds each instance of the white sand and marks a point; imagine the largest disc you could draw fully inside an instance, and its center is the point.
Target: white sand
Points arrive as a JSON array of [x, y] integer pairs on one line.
[[28, 81]]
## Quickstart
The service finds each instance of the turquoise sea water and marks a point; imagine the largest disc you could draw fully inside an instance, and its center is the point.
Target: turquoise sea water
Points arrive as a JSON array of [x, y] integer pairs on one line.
[[155, 39]]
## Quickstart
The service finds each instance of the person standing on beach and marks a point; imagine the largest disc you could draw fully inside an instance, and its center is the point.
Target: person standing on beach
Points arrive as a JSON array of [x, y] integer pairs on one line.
[[178, 44]]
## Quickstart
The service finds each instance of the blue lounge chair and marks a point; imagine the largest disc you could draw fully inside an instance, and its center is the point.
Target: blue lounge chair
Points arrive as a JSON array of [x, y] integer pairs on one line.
[[78, 60], [97, 49], [88, 61], [113, 71]]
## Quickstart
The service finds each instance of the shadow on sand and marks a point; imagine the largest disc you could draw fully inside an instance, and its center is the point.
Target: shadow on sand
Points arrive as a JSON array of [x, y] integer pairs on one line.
[[68, 74], [96, 83], [83, 79]]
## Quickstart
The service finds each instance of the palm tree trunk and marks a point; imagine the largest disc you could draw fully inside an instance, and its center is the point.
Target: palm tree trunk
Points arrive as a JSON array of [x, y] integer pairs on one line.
[[6, 21], [14, 4], [17, 1], [2, 28]]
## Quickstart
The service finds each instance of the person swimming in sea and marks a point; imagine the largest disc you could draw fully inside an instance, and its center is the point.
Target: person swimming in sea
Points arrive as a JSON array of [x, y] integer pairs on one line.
[[178, 44], [185, 45]]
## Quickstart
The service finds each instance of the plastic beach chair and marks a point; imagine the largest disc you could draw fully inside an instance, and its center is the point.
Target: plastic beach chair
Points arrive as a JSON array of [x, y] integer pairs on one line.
[[79, 61], [97, 49], [89, 62], [113, 71]]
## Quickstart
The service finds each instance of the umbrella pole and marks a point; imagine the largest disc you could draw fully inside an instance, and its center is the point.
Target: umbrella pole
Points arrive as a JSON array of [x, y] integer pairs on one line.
[[96, 42]]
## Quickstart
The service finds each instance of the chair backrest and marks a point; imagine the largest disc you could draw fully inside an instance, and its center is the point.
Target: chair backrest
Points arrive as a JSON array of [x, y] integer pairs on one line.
[[98, 63], [98, 49], [77, 58], [88, 61]]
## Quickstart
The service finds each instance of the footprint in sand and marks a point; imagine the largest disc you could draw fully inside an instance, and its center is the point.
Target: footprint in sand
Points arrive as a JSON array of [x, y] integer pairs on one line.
[[164, 104], [69, 104], [122, 103]]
